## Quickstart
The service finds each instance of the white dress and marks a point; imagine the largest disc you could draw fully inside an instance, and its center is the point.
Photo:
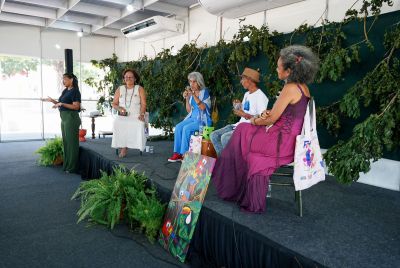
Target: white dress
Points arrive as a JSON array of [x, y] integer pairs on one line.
[[128, 131]]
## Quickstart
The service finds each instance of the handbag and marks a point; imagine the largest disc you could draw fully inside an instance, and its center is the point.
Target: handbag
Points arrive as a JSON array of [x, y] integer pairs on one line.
[[214, 114], [308, 161], [195, 144]]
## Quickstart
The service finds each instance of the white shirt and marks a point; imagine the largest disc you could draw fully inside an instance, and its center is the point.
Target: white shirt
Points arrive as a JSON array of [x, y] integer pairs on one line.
[[253, 103]]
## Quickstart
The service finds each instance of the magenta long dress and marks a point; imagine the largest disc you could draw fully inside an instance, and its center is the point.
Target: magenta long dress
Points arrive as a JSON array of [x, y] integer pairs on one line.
[[243, 170]]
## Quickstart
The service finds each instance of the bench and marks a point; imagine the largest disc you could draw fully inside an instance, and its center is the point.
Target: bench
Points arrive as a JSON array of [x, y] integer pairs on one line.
[[104, 133]]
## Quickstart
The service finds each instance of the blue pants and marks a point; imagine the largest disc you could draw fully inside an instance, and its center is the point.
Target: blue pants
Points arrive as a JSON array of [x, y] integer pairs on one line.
[[221, 137], [182, 133]]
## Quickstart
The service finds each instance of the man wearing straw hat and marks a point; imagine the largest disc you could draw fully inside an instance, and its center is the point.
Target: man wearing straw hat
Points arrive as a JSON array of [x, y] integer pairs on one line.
[[254, 103]]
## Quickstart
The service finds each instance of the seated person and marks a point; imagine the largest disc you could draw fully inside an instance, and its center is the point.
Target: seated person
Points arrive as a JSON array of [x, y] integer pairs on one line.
[[198, 104], [256, 150], [130, 102], [254, 103]]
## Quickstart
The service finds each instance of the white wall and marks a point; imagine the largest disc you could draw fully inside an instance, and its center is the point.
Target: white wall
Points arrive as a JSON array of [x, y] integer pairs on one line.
[[384, 173], [30, 41]]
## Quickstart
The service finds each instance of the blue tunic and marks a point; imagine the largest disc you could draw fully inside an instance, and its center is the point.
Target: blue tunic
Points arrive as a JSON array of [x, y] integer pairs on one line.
[[190, 124]]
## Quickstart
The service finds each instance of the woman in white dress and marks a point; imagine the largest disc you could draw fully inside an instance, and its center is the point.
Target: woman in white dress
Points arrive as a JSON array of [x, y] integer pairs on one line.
[[130, 102]]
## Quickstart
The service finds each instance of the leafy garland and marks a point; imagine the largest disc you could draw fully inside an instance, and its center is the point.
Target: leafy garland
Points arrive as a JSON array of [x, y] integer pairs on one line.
[[164, 78], [378, 131]]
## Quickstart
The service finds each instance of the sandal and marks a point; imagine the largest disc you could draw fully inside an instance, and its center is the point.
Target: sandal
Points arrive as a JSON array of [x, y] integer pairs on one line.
[[123, 153]]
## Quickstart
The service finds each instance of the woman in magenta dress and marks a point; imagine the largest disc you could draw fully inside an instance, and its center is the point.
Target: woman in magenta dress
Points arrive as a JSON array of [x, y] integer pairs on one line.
[[256, 150]]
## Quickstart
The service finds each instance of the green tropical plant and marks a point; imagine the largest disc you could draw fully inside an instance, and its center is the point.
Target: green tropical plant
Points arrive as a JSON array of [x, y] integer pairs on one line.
[[50, 151], [105, 200]]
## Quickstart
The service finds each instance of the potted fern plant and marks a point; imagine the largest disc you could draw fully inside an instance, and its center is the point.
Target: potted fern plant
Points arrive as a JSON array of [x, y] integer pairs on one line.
[[51, 153], [105, 200]]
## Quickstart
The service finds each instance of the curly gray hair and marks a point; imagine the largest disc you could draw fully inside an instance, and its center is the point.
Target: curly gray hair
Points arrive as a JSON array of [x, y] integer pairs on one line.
[[199, 79], [301, 61]]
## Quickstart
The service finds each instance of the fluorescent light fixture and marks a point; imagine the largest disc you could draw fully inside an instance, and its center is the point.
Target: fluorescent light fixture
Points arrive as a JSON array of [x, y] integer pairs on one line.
[[57, 46], [129, 7]]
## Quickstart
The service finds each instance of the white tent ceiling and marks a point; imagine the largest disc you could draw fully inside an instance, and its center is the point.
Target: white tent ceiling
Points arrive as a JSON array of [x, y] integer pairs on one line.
[[102, 17]]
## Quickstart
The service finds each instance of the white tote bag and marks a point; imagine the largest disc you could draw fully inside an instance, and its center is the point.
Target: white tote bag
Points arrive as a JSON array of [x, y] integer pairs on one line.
[[308, 162]]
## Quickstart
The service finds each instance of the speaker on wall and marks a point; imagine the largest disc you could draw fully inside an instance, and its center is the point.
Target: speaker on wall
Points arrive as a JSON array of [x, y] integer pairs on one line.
[[69, 67]]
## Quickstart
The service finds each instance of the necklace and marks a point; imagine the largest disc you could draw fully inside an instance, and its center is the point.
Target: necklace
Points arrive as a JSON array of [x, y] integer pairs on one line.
[[126, 95]]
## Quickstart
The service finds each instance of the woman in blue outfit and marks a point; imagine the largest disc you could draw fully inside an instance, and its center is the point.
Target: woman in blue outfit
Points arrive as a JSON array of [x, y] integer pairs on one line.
[[198, 104]]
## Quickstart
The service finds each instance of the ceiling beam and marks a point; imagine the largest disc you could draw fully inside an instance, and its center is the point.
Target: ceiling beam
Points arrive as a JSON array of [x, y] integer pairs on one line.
[[137, 5], [168, 8], [16, 18], [71, 26], [145, 4], [45, 3], [30, 10], [92, 20], [120, 2], [96, 10], [149, 2], [62, 11]]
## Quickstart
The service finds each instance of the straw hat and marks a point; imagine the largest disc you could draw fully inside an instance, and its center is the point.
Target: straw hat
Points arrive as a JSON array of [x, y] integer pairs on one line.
[[252, 74]]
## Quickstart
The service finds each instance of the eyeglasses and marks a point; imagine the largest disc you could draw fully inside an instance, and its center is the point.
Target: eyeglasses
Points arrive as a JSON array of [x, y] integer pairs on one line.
[[129, 77]]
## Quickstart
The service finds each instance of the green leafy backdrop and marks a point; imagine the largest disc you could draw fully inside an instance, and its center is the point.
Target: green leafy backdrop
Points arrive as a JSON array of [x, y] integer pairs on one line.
[[357, 88]]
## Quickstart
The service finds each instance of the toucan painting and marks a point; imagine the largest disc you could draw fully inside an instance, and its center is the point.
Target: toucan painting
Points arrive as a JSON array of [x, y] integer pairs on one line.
[[185, 204]]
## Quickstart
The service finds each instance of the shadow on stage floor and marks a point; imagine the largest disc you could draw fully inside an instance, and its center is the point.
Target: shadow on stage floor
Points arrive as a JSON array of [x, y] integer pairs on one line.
[[342, 226]]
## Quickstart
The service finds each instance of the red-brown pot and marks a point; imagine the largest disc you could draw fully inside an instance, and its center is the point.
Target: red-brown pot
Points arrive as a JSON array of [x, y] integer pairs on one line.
[[82, 134], [58, 161]]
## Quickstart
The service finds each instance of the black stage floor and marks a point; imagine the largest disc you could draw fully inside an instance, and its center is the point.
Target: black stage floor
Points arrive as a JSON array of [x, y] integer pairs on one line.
[[342, 226]]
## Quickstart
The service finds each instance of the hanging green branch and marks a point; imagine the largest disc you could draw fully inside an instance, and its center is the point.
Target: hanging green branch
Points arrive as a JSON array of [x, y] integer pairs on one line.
[[378, 132]]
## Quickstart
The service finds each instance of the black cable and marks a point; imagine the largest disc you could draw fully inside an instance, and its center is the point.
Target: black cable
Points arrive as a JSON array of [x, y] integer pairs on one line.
[[144, 247]]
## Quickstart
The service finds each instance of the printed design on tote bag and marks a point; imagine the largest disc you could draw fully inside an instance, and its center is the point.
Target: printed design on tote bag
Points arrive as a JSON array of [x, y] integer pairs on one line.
[[308, 159]]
